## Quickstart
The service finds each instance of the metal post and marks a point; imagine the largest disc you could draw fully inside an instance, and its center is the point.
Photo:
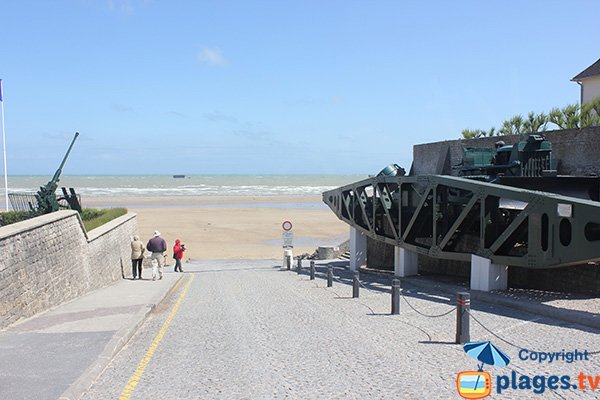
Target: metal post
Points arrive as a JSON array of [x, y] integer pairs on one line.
[[299, 267], [463, 306], [288, 261], [395, 296], [355, 283], [312, 270], [329, 276]]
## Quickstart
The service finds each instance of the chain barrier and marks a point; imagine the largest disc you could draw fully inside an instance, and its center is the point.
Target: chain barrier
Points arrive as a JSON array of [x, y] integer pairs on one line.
[[469, 311], [360, 302], [429, 338], [377, 292], [405, 299], [333, 291], [490, 331], [407, 302], [423, 314]]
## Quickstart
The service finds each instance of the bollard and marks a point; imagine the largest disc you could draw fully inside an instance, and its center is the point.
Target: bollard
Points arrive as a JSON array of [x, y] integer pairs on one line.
[[312, 270], [299, 267], [463, 306], [288, 261], [355, 283], [329, 276], [395, 296]]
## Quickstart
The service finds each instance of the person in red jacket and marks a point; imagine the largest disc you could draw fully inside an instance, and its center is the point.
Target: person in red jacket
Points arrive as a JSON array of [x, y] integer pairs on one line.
[[178, 250]]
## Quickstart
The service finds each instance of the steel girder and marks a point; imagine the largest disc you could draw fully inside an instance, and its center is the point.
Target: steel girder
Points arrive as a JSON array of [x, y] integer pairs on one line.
[[451, 218]]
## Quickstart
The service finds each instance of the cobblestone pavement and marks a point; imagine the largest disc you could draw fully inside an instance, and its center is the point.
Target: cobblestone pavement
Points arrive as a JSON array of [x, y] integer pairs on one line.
[[248, 330]]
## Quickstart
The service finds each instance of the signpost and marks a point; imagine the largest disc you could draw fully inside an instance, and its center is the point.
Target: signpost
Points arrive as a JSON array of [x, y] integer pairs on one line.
[[288, 237], [287, 226]]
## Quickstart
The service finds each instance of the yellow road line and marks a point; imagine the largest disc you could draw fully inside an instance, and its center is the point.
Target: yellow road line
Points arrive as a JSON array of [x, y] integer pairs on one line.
[[139, 371]]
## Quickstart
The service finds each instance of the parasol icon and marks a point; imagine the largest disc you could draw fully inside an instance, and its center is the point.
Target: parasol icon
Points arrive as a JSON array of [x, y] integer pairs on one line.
[[487, 353]]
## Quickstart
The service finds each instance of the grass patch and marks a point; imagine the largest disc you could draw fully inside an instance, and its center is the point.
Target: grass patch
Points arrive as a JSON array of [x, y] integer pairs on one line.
[[93, 217], [12, 217]]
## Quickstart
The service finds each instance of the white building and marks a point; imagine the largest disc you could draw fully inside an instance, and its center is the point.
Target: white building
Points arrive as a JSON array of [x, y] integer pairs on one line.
[[589, 80]]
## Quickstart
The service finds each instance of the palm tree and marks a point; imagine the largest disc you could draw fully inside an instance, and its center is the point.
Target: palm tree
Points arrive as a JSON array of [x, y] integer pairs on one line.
[[535, 123], [590, 114], [571, 113], [472, 133], [517, 123], [513, 126], [570, 117], [557, 118]]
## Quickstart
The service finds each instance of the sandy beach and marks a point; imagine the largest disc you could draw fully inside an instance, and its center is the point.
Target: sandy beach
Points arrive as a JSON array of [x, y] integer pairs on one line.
[[233, 227]]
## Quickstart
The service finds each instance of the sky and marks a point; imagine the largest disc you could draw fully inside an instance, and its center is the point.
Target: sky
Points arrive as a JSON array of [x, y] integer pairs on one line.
[[275, 87]]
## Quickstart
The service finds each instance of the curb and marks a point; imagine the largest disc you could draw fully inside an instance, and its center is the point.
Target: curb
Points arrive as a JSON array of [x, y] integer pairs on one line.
[[115, 344], [572, 316]]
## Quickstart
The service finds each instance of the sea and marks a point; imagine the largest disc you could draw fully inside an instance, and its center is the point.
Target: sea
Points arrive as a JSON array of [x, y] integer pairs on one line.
[[137, 186]]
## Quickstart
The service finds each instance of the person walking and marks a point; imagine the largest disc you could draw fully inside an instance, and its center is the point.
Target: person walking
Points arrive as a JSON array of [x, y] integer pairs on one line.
[[137, 256], [178, 250], [157, 246]]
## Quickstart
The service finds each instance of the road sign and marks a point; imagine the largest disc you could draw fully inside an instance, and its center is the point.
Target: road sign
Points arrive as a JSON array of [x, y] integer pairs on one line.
[[287, 226], [288, 236]]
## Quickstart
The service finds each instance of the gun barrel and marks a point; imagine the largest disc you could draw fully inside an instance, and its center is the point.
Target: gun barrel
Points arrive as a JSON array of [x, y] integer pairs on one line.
[[62, 164]]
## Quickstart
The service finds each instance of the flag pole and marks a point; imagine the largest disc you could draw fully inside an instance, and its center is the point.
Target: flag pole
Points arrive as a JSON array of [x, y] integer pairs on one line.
[[4, 149]]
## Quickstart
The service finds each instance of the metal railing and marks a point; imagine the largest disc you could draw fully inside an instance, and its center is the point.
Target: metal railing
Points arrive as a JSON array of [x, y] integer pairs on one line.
[[26, 201]]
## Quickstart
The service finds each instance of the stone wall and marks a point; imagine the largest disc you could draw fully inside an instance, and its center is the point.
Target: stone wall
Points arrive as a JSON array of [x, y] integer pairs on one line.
[[577, 151], [380, 255], [51, 259]]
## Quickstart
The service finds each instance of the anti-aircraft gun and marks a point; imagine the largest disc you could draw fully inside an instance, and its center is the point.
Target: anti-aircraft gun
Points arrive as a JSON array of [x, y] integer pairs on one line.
[[527, 158], [47, 201]]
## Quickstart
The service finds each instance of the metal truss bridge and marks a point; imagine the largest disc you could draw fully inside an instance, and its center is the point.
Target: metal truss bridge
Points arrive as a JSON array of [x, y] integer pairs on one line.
[[452, 218]]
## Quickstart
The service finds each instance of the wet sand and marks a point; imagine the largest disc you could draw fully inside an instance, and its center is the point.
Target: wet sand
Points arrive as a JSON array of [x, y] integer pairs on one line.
[[233, 227]]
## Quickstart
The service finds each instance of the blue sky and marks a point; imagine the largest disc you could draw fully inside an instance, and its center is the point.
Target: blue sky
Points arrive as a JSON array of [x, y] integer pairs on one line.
[[268, 87]]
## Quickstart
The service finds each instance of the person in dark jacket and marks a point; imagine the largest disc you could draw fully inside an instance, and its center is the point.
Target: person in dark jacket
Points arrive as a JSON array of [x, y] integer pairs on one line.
[[157, 246], [178, 250]]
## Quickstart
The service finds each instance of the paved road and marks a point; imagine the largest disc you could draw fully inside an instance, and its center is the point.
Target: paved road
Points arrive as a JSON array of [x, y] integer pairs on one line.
[[246, 330], [60, 352]]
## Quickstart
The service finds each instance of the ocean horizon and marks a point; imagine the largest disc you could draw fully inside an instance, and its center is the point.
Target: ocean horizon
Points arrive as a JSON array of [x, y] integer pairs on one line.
[[189, 185]]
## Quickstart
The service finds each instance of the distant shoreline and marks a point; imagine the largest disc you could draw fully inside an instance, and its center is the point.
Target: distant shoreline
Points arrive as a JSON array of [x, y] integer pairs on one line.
[[197, 201], [141, 186]]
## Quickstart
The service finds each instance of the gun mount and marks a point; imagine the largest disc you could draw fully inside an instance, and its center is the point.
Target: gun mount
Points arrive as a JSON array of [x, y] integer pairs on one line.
[[47, 201], [531, 158]]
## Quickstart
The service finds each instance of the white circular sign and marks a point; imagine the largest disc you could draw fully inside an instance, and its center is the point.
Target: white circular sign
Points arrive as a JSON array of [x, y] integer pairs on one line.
[[287, 226]]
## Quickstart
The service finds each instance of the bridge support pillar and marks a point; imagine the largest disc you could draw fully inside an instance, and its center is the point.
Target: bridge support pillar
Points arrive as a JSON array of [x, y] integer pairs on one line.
[[405, 262], [358, 249], [487, 276]]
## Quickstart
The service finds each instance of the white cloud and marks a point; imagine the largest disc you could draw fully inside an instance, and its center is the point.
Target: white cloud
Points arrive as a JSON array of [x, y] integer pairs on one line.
[[217, 116], [123, 6], [176, 113], [122, 108], [212, 56]]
